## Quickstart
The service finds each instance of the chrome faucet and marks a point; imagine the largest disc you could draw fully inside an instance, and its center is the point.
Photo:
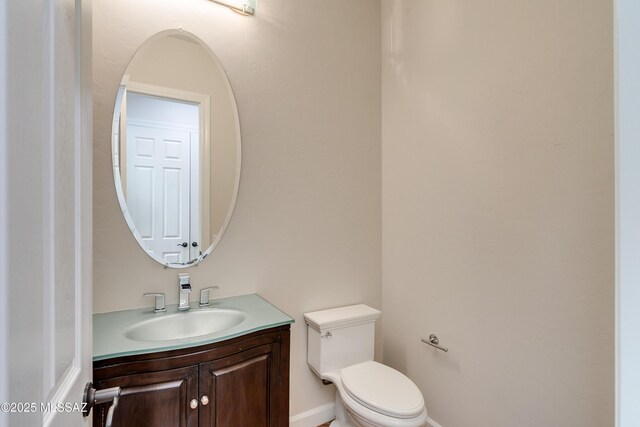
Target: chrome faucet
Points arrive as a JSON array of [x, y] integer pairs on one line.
[[185, 289]]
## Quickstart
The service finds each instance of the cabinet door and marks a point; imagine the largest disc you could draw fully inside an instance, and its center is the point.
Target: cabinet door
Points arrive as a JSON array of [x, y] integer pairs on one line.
[[241, 389], [155, 399]]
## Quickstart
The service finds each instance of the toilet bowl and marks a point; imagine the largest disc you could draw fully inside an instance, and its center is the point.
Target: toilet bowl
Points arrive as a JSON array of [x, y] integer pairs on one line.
[[368, 394]]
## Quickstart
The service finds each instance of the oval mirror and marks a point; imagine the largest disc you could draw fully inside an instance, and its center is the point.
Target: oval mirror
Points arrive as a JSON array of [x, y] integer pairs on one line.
[[176, 148]]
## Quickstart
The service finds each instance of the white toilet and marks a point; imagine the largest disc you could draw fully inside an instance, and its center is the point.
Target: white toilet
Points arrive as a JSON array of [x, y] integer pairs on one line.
[[368, 394]]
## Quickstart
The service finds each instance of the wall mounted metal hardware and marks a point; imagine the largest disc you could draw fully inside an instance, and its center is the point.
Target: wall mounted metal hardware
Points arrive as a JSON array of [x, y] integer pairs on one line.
[[434, 341]]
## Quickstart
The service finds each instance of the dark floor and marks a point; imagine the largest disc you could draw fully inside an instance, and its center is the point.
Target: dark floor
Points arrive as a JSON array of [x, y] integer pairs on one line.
[[325, 425]]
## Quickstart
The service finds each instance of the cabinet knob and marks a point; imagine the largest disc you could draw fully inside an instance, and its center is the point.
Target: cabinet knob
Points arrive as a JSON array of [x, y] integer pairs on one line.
[[204, 400], [193, 403]]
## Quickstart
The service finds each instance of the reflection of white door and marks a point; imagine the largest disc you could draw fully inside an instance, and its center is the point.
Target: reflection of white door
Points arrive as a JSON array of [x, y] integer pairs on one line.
[[158, 181], [162, 165]]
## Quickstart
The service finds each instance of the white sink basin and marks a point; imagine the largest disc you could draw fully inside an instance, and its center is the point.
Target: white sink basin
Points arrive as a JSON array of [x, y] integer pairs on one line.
[[182, 325]]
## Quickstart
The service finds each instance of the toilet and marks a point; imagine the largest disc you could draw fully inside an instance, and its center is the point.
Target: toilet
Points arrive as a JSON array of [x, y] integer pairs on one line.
[[368, 394]]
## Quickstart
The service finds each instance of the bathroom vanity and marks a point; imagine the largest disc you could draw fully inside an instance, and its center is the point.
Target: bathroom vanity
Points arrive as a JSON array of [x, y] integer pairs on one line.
[[238, 376], [220, 363]]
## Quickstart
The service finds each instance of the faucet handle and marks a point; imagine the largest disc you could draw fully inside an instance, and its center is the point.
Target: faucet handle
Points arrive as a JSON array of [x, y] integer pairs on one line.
[[185, 284], [204, 295], [159, 299]]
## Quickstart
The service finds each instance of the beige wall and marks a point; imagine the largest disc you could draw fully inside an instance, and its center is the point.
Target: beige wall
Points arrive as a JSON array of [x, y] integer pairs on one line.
[[306, 229], [497, 205], [498, 196]]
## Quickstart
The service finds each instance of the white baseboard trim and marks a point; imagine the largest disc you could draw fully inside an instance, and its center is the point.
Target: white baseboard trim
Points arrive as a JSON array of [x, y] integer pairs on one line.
[[323, 414], [313, 417]]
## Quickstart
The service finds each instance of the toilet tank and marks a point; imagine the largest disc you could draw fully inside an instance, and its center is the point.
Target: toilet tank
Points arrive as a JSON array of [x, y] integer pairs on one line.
[[340, 337]]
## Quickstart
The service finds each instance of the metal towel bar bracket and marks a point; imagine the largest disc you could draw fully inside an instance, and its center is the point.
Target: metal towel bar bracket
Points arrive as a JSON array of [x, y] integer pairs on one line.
[[93, 397], [434, 341]]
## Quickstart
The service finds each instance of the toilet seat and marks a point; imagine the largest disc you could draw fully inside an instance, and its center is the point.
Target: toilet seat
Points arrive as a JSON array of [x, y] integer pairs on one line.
[[382, 389]]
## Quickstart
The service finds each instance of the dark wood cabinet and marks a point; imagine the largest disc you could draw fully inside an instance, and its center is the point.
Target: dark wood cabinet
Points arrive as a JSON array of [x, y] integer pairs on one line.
[[239, 388], [153, 399], [243, 381]]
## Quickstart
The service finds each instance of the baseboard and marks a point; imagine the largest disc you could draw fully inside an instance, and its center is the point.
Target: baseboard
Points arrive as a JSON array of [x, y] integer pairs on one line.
[[313, 417], [323, 414]]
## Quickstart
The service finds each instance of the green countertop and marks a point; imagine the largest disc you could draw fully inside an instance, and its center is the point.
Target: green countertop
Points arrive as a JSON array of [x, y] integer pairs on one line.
[[109, 339]]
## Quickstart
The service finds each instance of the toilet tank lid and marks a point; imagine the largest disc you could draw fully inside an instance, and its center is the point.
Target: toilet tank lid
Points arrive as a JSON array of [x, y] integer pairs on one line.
[[341, 317]]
